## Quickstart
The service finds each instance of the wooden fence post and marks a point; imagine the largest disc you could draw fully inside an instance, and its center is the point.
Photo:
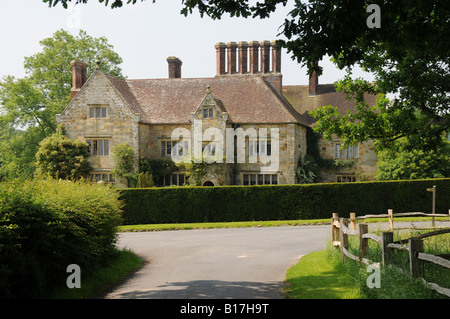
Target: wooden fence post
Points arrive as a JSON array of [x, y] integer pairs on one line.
[[352, 221], [391, 219], [343, 237], [416, 265], [386, 239], [363, 242], [334, 229]]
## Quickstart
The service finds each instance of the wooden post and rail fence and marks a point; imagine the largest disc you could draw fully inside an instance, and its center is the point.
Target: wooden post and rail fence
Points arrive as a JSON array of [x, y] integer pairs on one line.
[[341, 228]]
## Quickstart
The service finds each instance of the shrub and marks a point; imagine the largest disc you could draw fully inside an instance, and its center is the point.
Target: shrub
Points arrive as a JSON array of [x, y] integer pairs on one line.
[[61, 157], [123, 155], [145, 180], [46, 225], [280, 202]]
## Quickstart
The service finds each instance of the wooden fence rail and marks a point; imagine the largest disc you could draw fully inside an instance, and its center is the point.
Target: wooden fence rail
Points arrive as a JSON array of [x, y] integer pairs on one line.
[[340, 231]]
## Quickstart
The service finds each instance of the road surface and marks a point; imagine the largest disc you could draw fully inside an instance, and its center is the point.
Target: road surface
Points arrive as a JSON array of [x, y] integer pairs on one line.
[[217, 263]]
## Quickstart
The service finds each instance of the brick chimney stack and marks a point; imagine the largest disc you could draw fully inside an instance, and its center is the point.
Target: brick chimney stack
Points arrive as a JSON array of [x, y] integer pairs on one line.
[[174, 67], [242, 53], [79, 76], [261, 58], [276, 58], [220, 57], [254, 53], [231, 48], [313, 83], [265, 56]]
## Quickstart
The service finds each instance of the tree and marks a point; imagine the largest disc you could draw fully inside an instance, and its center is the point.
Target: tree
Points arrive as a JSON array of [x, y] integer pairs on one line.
[[114, 4], [407, 55], [407, 162], [28, 106], [62, 157]]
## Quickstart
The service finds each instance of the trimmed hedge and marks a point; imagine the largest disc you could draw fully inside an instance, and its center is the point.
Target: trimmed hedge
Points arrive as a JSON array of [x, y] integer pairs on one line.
[[46, 226], [280, 202]]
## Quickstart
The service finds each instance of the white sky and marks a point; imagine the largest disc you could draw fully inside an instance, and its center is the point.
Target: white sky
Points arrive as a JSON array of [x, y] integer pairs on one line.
[[144, 35]]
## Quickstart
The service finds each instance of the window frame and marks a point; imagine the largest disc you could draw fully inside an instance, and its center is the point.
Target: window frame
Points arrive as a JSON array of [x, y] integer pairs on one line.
[[168, 147], [98, 112], [345, 178], [94, 146], [101, 177], [168, 180], [250, 179], [351, 152], [208, 113]]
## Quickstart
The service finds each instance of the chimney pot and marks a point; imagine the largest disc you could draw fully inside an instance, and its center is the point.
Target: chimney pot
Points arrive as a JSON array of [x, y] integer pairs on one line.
[[79, 76], [174, 67]]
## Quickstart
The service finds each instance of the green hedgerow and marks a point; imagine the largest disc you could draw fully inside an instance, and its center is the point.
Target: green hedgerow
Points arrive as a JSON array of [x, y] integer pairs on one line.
[[46, 225]]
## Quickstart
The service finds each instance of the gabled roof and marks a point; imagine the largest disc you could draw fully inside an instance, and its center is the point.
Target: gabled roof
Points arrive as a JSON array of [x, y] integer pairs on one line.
[[209, 100], [124, 90], [298, 97], [247, 99]]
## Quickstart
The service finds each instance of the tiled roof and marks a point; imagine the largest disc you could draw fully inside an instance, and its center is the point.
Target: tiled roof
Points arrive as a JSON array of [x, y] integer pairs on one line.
[[298, 97], [124, 90], [247, 99]]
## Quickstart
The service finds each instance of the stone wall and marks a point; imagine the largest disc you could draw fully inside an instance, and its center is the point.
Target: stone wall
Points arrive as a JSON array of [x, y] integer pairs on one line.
[[118, 127], [121, 125], [364, 166]]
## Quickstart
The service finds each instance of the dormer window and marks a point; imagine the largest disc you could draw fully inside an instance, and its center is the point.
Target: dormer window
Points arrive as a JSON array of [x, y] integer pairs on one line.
[[208, 113], [97, 112]]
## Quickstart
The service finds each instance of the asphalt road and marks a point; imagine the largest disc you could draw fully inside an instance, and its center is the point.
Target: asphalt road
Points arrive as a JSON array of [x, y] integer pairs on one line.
[[243, 263]]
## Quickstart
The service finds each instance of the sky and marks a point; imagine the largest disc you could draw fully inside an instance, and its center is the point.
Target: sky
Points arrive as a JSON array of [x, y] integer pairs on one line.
[[144, 35]]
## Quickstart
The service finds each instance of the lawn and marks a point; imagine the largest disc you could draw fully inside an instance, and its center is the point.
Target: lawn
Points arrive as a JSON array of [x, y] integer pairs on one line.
[[318, 276], [321, 275], [272, 223], [185, 226]]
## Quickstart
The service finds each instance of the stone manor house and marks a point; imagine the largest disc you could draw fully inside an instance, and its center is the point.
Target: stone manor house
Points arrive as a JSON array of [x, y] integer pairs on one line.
[[244, 98]]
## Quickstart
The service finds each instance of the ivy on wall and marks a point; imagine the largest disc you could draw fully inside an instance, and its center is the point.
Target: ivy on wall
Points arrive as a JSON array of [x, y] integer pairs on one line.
[[312, 140]]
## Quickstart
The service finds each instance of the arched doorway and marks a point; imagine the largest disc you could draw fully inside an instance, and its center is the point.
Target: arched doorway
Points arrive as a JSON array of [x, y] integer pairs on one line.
[[208, 183]]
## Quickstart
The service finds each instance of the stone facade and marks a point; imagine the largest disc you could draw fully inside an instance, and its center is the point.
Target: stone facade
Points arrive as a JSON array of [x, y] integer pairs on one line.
[[360, 160], [117, 125], [239, 121]]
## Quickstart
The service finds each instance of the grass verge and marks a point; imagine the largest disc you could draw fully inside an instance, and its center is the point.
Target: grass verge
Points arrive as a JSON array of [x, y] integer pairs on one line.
[[319, 276], [186, 226], [97, 283], [272, 223]]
